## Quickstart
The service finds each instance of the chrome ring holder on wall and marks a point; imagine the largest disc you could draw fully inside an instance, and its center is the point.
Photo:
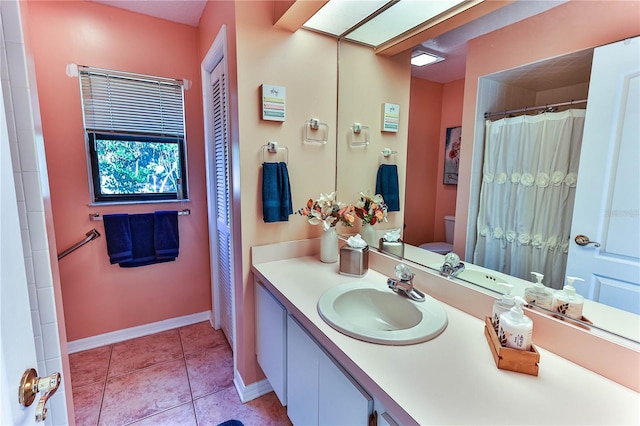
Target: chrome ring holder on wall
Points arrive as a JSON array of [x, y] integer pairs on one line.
[[359, 135], [273, 148], [316, 132]]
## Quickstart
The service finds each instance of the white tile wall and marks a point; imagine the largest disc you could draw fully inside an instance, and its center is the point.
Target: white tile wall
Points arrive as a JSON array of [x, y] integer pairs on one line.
[[25, 160]]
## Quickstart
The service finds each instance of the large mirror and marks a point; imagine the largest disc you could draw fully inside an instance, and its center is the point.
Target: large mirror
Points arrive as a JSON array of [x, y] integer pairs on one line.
[[432, 100]]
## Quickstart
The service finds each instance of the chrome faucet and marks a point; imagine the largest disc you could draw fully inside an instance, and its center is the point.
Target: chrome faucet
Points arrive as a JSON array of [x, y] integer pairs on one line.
[[404, 285], [452, 266]]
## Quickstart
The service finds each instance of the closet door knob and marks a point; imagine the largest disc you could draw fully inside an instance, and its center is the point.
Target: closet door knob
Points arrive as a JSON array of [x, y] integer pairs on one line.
[[583, 240]]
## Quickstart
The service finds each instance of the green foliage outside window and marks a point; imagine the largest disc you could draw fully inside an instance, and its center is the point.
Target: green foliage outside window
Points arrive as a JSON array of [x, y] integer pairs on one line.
[[130, 167], [137, 168]]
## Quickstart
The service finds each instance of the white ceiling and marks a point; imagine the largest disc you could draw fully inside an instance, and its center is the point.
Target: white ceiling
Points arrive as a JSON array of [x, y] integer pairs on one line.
[[181, 11], [563, 71], [452, 45]]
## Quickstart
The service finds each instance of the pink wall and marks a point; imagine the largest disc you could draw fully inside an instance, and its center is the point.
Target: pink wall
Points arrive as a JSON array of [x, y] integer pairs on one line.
[[99, 297], [423, 159], [452, 102], [360, 100], [305, 63], [433, 108], [568, 28]]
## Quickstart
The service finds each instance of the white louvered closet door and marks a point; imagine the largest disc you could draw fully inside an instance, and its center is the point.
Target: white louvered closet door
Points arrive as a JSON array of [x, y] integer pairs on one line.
[[222, 202]]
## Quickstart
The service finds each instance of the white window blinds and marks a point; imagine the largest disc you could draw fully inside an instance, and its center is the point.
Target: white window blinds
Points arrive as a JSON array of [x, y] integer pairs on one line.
[[115, 101]]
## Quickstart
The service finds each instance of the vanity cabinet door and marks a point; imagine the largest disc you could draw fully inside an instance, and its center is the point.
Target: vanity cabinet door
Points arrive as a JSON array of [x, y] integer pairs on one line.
[[319, 391], [271, 340], [302, 375], [341, 400]]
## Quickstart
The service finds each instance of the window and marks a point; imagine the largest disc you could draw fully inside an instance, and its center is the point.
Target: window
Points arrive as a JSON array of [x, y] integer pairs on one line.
[[134, 127]]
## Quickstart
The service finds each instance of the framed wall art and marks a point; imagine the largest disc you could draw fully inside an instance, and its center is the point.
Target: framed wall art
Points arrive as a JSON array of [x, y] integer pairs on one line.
[[452, 155]]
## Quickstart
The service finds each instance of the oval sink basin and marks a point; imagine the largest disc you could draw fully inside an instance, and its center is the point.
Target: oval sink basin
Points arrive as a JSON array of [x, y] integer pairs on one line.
[[376, 314]]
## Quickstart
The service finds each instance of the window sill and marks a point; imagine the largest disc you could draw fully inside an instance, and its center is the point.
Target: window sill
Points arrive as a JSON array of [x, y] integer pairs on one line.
[[120, 203]]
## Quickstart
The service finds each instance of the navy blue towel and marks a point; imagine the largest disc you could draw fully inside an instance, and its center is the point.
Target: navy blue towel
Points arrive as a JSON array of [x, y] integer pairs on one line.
[[276, 192], [165, 234], [387, 186], [142, 241], [118, 235]]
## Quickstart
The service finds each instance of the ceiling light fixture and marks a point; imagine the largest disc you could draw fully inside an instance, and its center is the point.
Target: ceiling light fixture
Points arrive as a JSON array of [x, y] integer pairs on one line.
[[374, 22], [420, 58]]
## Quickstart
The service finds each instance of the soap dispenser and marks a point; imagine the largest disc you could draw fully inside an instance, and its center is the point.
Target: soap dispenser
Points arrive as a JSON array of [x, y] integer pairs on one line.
[[516, 328], [538, 294], [567, 301], [501, 305]]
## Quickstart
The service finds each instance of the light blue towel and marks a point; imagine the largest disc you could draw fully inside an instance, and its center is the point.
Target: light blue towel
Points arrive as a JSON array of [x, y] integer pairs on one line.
[[276, 192], [387, 186]]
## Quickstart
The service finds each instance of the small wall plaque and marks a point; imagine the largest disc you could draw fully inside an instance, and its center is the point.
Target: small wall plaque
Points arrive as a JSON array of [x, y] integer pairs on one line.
[[273, 103], [390, 117]]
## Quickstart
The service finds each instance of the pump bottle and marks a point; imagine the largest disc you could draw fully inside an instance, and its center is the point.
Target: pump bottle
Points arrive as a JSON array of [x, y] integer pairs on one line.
[[516, 328], [501, 305], [538, 294], [567, 301]]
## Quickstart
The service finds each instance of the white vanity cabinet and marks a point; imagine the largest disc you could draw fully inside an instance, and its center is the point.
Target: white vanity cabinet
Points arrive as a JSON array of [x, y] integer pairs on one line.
[[320, 392], [271, 340], [315, 389]]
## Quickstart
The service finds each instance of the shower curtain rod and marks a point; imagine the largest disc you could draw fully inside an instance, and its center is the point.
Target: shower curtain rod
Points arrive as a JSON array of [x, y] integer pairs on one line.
[[536, 108]]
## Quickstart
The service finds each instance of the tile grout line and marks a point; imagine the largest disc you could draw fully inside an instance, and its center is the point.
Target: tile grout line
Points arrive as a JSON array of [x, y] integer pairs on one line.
[[186, 368], [104, 387]]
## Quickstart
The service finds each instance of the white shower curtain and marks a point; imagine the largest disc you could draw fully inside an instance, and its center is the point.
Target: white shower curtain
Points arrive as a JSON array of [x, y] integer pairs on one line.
[[527, 194]]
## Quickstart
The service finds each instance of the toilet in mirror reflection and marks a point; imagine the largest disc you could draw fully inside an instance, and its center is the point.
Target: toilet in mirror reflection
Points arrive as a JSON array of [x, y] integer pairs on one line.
[[447, 246]]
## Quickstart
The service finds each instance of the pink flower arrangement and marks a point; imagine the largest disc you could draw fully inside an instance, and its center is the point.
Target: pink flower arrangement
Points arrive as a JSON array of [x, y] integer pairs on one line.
[[328, 211], [371, 208]]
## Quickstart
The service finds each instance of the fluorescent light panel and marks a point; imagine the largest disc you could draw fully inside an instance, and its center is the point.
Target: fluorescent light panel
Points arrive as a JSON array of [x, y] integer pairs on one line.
[[398, 19], [337, 16], [420, 59]]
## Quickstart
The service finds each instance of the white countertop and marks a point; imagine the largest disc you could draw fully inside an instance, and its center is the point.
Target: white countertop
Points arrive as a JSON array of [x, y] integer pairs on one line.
[[453, 378]]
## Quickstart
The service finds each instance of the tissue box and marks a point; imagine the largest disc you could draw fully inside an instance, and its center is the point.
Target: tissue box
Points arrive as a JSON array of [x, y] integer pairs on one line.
[[393, 247], [354, 261]]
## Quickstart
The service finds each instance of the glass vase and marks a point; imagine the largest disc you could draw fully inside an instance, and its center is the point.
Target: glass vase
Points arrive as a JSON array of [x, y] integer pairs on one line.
[[368, 233], [329, 246]]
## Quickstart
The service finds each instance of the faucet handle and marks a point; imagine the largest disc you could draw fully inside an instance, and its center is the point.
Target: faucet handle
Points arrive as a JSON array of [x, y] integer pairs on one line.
[[403, 272], [452, 259]]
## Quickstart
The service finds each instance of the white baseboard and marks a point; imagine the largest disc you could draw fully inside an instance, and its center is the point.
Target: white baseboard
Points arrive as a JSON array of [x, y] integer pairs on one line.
[[133, 332], [253, 391]]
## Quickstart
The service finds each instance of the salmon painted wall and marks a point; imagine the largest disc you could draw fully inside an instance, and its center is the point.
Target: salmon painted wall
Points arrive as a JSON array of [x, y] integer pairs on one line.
[[305, 64], [423, 158], [556, 32], [434, 108], [99, 297], [452, 102], [367, 81]]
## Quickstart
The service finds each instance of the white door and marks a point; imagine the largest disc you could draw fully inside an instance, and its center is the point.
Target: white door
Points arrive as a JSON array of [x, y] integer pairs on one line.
[[17, 347], [607, 204], [222, 202]]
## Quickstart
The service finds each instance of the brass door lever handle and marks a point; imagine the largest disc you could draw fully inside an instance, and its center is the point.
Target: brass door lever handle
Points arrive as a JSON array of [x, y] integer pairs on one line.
[[583, 240], [31, 384]]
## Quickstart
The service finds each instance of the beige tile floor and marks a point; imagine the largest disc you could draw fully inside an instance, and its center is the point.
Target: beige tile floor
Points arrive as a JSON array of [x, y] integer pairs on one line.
[[177, 377]]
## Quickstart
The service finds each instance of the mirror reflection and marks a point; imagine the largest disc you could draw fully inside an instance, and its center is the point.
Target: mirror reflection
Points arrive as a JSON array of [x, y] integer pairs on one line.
[[500, 75]]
